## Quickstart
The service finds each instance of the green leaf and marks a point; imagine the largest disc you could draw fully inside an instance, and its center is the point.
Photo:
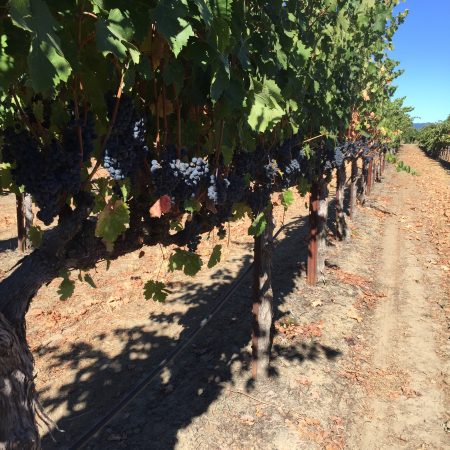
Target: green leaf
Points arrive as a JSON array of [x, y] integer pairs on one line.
[[125, 188], [188, 262], [47, 64], [240, 210], [266, 111], [220, 81], [156, 290], [5, 176], [287, 198], [20, 10], [175, 225], [107, 42], [303, 186], [35, 235], [215, 256], [112, 222], [66, 288], [99, 197], [179, 41], [205, 11], [258, 226], [192, 205]]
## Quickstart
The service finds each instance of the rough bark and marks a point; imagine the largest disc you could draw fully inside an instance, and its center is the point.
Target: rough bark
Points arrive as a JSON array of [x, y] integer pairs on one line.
[[262, 313], [322, 228], [18, 398], [341, 224], [353, 188], [18, 404]]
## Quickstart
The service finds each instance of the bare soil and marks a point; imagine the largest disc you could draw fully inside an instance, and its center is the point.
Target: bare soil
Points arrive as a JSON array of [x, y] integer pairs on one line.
[[359, 362]]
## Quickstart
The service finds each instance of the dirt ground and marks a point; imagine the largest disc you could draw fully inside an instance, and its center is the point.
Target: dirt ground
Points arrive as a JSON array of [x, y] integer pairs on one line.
[[359, 362]]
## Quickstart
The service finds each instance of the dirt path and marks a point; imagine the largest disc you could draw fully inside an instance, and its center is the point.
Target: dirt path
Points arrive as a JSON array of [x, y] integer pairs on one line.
[[405, 331]]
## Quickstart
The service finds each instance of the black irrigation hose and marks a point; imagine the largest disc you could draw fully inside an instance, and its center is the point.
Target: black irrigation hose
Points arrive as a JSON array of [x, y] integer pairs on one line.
[[133, 393]]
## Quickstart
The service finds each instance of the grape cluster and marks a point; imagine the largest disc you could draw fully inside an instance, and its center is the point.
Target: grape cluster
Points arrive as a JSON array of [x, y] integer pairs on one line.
[[177, 178], [217, 190], [49, 173], [126, 145], [88, 135]]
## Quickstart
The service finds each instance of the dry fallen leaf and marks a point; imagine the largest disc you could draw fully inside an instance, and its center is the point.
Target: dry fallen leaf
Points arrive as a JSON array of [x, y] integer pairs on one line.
[[353, 315]]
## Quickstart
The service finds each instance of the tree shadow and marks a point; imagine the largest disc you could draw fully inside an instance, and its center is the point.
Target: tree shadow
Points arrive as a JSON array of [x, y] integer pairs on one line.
[[186, 389]]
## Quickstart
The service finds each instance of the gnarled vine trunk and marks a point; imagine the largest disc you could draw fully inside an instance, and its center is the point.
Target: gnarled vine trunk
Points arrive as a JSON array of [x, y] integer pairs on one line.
[[19, 407], [262, 312], [18, 403]]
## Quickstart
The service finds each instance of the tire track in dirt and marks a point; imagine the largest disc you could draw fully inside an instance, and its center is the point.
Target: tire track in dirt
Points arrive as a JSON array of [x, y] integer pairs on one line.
[[404, 344]]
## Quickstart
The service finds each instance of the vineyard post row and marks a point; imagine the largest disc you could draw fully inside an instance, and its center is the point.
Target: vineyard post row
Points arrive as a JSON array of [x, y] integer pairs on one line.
[[262, 316]]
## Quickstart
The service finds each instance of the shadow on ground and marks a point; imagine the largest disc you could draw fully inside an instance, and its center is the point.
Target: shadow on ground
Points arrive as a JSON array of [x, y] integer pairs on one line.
[[189, 387], [8, 244]]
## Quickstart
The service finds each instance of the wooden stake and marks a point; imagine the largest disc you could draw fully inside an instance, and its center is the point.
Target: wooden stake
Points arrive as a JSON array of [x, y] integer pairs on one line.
[[353, 188], [313, 230], [341, 224], [21, 232]]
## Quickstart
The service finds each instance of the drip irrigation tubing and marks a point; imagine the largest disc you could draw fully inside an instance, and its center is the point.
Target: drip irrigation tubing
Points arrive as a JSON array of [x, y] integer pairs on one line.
[[133, 393]]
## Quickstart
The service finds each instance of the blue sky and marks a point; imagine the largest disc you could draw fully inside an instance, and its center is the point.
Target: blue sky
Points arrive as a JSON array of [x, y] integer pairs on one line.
[[422, 45]]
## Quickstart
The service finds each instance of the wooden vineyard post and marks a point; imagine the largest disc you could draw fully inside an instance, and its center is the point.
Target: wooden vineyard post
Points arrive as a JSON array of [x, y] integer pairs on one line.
[[262, 299], [322, 226], [341, 224], [378, 170], [364, 176], [369, 176], [318, 215], [353, 187], [313, 230], [21, 231], [28, 216]]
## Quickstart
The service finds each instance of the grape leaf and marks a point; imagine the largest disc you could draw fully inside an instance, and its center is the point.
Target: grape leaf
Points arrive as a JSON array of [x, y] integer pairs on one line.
[[240, 210], [287, 198], [112, 222], [266, 111], [258, 226], [192, 205], [156, 290]]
